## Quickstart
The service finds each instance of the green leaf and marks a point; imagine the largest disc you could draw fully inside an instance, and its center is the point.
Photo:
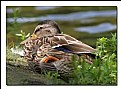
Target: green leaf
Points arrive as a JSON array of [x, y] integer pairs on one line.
[[27, 35], [18, 34]]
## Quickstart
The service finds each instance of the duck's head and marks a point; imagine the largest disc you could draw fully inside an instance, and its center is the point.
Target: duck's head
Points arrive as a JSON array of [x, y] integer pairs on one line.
[[46, 28]]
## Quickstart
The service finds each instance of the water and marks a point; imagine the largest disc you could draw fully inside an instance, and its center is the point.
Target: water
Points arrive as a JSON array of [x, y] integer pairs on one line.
[[96, 29], [45, 7], [67, 17], [10, 10]]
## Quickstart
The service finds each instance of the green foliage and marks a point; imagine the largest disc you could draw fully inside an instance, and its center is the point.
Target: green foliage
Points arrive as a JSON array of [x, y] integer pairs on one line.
[[16, 13], [22, 35], [107, 52], [54, 78], [14, 27]]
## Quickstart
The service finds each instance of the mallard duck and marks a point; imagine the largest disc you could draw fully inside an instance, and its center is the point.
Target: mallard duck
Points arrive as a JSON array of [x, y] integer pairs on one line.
[[48, 32], [48, 49]]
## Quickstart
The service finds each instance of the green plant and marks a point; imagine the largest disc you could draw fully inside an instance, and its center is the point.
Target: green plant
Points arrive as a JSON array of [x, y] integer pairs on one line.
[[16, 13], [107, 52], [22, 35], [14, 27], [54, 78]]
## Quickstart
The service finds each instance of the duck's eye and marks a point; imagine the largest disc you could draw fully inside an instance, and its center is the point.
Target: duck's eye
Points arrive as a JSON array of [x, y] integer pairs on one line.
[[47, 30], [37, 30], [41, 27]]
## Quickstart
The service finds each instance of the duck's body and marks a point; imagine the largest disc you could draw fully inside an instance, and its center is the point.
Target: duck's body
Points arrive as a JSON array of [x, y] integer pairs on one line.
[[47, 44], [58, 45]]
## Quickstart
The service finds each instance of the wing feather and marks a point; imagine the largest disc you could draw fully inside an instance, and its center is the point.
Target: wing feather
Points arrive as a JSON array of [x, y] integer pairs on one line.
[[67, 43]]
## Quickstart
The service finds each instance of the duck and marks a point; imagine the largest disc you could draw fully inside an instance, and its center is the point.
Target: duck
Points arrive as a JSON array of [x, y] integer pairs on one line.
[[48, 33]]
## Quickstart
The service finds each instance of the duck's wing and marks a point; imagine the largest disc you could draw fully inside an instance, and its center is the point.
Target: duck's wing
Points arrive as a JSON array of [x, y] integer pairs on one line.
[[69, 44]]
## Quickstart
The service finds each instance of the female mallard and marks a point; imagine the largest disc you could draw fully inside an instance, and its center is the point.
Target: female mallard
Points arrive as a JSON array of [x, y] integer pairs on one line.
[[48, 44], [48, 32]]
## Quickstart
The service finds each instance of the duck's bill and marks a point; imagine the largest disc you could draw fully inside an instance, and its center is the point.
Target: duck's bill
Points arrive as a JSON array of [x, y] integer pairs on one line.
[[33, 36]]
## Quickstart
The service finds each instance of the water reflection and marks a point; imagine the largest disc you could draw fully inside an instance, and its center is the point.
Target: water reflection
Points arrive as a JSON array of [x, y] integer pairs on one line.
[[67, 17], [10, 10], [96, 29], [45, 7]]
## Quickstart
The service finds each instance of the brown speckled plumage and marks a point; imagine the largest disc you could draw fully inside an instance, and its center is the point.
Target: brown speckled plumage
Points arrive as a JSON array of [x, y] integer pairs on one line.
[[47, 42]]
